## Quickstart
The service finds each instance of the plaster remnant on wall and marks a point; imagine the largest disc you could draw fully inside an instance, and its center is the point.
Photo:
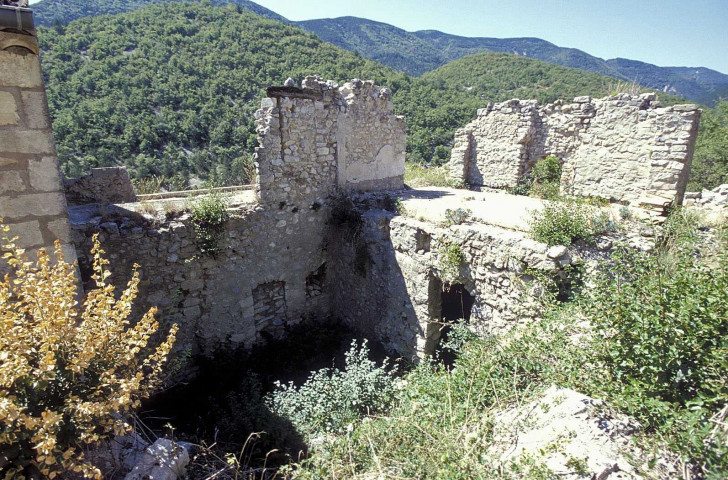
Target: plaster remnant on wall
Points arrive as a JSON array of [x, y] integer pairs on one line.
[[623, 148], [323, 136]]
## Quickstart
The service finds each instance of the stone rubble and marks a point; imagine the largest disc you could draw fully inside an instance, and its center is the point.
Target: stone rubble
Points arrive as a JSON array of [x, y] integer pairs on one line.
[[568, 431], [163, 460]]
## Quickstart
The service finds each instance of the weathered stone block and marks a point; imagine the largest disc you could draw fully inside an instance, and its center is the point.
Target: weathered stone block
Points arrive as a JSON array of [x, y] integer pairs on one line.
[[44, 174], [35, 108], [37, 204], [8, 109], [10, 182], [26, 141], [28, 233], [20, 70], [60, 230]]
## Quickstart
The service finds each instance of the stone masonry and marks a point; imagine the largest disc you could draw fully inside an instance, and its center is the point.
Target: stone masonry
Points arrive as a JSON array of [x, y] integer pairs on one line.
[[322, 136], [622, 148], [110, 184], [31, 193], [271, 268], [389, 280]]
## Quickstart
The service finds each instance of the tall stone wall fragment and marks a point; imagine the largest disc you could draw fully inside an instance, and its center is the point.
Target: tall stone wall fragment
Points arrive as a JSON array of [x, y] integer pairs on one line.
[[623, 148], [31, 192], [321, 136]]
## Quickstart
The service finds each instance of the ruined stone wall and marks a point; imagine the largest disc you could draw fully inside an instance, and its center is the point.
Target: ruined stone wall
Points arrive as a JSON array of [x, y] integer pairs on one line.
[[623, 148], [106, 185], [502, 131], [256, 285], [388, 280], [323, 136], [31, 193], [272, 266]]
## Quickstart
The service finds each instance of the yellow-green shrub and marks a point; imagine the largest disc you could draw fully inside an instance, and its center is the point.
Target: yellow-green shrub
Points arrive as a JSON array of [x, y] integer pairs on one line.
[[68, 374]]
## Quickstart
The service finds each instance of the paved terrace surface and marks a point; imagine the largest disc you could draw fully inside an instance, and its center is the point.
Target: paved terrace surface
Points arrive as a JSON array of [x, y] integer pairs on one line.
[[492, 208]]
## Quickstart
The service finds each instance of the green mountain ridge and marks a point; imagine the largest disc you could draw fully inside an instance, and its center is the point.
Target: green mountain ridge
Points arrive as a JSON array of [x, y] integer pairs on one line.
[[170, 90], [416, 53]]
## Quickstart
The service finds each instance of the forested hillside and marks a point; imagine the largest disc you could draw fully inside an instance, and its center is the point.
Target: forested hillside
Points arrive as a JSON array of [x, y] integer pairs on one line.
[[418, 52], [52, 12], [170, 90]]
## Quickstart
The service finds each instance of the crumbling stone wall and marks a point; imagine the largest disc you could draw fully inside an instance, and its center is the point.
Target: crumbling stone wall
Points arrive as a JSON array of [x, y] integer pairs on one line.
[[370, 140], [256, 285], [31, 193], [321, 136], [271, 270], [623, 148], [388, 280], [106, 185]]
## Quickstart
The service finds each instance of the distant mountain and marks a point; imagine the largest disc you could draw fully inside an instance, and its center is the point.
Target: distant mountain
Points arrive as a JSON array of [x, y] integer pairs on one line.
[[418, 52], [49, 12]]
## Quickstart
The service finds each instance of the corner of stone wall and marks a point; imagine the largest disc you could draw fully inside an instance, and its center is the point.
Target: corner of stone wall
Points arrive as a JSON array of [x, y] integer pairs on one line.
[[102, 185], [32, 202]]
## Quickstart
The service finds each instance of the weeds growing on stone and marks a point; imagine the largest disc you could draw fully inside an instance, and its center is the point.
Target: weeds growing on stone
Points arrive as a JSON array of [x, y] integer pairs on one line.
[[209, 215], [649, 337], [420, 175], [456, 217]]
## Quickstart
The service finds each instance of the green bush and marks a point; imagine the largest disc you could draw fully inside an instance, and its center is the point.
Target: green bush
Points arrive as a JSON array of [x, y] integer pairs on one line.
[[665, 325], [331, 399], [451, 258], [209, 215], [547, 169], [457, 216], [680, 228], [564, 222], [543, 181]]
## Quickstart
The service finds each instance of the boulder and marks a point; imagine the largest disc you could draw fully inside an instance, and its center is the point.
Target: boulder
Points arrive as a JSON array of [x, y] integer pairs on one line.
[[164, 460]]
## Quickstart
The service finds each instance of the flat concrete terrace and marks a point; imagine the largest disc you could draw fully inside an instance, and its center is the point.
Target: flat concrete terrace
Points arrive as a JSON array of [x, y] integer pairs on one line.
[[499, 209]]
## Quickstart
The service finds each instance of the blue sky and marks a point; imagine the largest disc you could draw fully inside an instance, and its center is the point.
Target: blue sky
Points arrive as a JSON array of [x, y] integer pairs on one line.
[[667, 32]]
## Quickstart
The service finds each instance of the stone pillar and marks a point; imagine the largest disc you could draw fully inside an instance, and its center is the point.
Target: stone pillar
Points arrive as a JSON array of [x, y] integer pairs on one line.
[[32, 202]]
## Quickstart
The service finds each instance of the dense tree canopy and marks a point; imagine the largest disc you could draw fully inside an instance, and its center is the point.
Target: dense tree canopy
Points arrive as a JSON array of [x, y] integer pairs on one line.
[[170, 90]]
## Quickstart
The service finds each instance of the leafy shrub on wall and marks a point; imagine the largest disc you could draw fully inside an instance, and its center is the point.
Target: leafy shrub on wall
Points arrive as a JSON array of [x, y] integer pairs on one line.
[[68, 375], [209, 215]]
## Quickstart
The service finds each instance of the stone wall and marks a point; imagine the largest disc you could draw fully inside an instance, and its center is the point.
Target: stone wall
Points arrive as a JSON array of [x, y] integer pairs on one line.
[[623, 148], [370, 140], [271, 270], [321, 136], [31, 193], [388, 281], [256, 285], [105, 185]]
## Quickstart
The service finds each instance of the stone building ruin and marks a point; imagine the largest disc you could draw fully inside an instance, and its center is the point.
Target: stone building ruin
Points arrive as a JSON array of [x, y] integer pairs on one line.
[[623, 148], [316, 235]]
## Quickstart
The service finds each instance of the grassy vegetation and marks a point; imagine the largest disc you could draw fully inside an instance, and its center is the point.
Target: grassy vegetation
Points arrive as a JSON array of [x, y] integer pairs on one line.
[[422, 175], [563, 221], [649, 336]]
